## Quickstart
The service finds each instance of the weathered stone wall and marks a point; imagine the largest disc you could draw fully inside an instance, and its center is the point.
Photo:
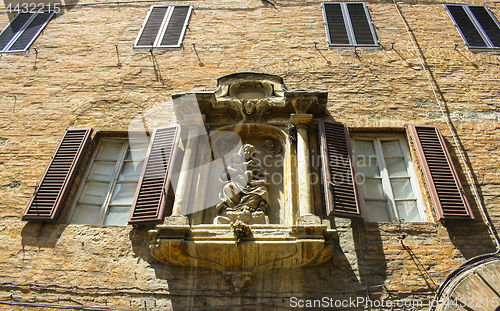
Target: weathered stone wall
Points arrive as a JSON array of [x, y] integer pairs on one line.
[[77, 83]]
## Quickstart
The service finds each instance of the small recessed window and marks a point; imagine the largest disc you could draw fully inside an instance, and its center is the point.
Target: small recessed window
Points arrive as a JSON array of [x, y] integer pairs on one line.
[[164, 27], [476, 24], [107, 193], [348, 24], [22, 31], [388, 187]]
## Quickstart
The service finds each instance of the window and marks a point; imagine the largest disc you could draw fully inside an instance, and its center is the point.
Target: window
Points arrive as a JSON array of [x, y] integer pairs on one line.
[[107, 192], [22, 31], [476, 24], [348, 24], [127, 180], [164, 27], [384, 173]]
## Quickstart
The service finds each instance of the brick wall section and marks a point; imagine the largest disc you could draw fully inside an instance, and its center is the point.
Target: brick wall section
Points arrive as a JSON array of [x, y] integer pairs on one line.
[[77, 83]]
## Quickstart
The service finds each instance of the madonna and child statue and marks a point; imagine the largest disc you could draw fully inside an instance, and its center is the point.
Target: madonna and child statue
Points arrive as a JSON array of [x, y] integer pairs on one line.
[[244, 193]]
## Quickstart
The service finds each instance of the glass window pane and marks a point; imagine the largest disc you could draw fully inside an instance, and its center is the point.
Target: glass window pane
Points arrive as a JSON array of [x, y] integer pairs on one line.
[[117, 216], [391, 149], [373, 189], [102, 170], [137, 150], [402, 189], [109, 150], [368, 166], [131, 171], [365, 147], [408, 211], [94, 192], [377, 211], [396, 167], [124, 193], [86, 214]]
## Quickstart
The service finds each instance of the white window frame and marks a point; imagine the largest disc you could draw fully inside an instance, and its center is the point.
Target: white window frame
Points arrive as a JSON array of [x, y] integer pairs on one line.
[[12, 41], [476, 24], [112, 183], [163, 29], [392, 209], [348, 25]]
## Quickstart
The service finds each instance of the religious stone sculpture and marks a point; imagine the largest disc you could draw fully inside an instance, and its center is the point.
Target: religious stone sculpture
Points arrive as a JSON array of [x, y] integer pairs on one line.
[[244, 193]]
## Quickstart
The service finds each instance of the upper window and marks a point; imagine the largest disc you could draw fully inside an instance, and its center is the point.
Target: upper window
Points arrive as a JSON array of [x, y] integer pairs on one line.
[[388, 187], [22, 31], [348, 24], [164, 27], [107, 193], [476, 24]]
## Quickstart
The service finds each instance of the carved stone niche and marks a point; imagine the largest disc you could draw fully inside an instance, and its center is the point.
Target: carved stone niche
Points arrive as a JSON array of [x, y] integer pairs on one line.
[[245, 169]]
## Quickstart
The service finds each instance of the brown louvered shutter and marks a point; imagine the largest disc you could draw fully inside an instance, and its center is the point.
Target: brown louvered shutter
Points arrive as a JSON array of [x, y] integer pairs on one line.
[[149, 201], [176, 26], [47, 200], [442, 179], [341, 195]]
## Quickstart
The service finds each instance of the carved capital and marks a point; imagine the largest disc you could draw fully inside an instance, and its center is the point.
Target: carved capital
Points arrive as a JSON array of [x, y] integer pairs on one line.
[[302, 104], [238, 279], [300, 119]]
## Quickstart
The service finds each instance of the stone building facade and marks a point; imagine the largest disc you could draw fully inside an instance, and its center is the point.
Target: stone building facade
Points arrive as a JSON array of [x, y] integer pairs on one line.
[[86, 70]]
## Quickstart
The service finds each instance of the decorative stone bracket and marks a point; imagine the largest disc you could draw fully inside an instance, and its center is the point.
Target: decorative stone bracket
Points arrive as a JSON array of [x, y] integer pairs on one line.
[[269, 247]]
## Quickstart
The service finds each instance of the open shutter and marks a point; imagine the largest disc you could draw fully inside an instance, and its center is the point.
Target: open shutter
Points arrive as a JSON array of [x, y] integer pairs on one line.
[[149, 201], [466, 27], [47, 200], [338, 172], [176, 26], [446, 191]]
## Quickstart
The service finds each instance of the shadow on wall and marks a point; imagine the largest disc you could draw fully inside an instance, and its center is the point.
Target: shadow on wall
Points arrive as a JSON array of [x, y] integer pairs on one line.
[[200, 288], [41, 234]]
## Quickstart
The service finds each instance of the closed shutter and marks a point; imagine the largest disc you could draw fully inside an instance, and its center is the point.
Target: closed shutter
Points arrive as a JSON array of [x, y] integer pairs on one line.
[[47, 200], [488, 23], [164, 27], [149, 201], [176, 26], [446, 191], [338, 172], [466, 27], [24, 41], [360, 24], [335, 25]]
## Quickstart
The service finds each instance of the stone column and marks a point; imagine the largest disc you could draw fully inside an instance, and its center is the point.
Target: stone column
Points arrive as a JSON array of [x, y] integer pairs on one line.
[[194, 123]]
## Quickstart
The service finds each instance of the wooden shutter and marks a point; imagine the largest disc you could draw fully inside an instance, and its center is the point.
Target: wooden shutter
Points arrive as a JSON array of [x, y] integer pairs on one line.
[[176, 26], [341, 195], [488, 23], [465, 26], [47, 200], [335, 25], [13, 28], [360, 24], [151, 27], [149, 201], [442, 179], [31, 32]]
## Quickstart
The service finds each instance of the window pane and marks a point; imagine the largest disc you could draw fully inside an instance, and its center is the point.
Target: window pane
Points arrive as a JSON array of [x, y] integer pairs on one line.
[[86, 214], [402, 189], [377, 211], [94, 192], [131, 171], [391, 149], [365, 148], [396, 167], [408, 211], [117, 216], [373, 189], [102, 170], [137, 150], [109, 150], [124, 193]]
